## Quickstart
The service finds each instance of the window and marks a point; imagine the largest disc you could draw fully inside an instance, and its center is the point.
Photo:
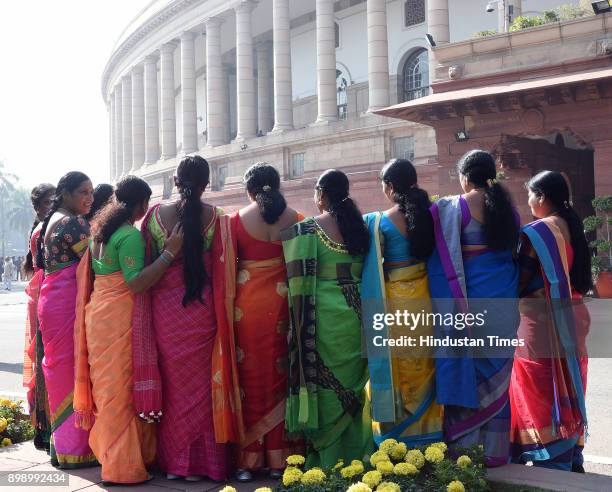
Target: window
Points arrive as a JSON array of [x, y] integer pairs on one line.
[[342, 83], [337, 34], [414, 12], [296, 167], [403, 148], [415, 75]]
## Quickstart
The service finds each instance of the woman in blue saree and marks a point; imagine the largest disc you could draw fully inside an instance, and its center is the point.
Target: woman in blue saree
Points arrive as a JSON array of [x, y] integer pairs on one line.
[[402, 379], [473, 268]]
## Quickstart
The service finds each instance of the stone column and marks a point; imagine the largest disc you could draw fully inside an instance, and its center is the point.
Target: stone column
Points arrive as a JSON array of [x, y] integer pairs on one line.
[[126, 93], [326, 61], [438, 27], [111, 135], [118, 132], [168, 110], [188, 93], [151, 110], [215, 106], [226, 119], [138, 118], [264, 107], [378, 56], [245, 84], [283, 96]]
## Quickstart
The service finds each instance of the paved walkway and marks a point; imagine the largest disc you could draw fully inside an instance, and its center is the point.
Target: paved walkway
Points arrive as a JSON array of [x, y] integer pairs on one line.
[[23, 457]]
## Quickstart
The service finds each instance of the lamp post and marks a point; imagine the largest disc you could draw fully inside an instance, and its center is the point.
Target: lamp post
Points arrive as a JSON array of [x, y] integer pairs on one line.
[[505, 10]]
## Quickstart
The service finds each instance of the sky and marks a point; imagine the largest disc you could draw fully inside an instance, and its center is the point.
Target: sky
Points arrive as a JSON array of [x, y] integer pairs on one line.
[[52, 115]]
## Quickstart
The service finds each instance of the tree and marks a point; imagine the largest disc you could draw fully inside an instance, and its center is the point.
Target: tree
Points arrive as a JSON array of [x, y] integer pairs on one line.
[[7, 186], [21, 214]]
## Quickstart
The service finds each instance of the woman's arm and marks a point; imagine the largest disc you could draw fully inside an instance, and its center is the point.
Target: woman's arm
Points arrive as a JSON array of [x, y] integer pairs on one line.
[[528, 263]]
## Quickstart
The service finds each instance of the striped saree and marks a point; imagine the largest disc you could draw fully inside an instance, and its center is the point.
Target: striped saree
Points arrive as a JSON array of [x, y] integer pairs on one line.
[[327, 400], [402, 380], [548, 387], [473, 390]]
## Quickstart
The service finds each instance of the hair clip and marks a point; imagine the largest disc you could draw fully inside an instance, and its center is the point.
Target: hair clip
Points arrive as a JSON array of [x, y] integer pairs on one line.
[[344, 199], [266, 188], [491, 182]]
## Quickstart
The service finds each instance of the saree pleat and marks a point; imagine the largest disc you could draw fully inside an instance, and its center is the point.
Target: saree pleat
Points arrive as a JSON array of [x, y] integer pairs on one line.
[[56, 313], [417, 418], [327, 374], [122, 442], [548, 389]]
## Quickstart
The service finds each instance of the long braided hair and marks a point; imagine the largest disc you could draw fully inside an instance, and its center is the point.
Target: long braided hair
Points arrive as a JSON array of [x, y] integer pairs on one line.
[[38, 194]]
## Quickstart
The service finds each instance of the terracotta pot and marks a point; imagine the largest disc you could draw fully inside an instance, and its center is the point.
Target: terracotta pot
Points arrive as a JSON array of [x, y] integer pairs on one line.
[[604, 285]]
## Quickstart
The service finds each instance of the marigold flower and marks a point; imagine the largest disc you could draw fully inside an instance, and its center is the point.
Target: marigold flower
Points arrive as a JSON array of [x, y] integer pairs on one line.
[[339, 465], [291, 475], [295, 460], [313, 476], [405, 469], [6, 442], [228, 488], [434, 454], [464, 461], [441, 446], [455, 486], [415, 457], [398, 451], [263, 489], [3, 424], [359, 487], [377, 457], [350, 471], [385, 467], [372, 478], [387, 445], [388, 487]]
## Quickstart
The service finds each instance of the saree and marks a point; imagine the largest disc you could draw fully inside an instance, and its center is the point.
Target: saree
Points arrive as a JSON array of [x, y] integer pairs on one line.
[[122, 442], [327, 401], [547, 393], [402, 380], [184, 339], [33, 377], [56, 312], [473, 390]]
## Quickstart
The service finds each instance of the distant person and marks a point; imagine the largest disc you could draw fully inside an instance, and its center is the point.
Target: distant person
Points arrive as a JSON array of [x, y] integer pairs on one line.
[[9, 271], [102, 195]]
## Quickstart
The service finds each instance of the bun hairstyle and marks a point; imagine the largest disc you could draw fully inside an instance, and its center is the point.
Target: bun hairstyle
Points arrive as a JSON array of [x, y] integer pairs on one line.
[[131, 192], [262, 181], [101, 195], [334, 185], [413, 203], [500, 224], [553, 186], [37, 195], [192, 177], [68, 183]]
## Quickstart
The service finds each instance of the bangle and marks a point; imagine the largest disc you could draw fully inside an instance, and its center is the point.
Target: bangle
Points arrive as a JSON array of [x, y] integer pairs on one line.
[[172, 255], [163, 258]]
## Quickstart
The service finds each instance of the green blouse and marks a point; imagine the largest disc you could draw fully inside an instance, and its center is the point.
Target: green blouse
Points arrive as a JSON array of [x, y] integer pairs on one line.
[[124, 252]]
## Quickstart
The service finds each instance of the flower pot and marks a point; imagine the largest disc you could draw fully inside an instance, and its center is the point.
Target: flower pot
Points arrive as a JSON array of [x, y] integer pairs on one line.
[[604, 285]]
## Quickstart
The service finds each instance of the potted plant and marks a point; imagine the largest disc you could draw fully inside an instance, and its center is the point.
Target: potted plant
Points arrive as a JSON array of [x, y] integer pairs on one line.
[[601, 265]]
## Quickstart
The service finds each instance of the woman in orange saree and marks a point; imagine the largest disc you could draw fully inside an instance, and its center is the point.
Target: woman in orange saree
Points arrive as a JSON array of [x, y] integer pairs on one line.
[[261, 322], [123, 443]]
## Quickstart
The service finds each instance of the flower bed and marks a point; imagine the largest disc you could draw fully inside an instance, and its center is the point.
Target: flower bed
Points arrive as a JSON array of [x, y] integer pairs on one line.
[[15, 425]]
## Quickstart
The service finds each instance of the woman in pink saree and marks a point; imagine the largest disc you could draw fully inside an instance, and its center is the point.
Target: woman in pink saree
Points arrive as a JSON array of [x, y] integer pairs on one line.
[[173, 359], [62, 242]]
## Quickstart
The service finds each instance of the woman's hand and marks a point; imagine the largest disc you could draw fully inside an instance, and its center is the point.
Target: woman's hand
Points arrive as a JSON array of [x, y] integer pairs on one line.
[[174, 243]]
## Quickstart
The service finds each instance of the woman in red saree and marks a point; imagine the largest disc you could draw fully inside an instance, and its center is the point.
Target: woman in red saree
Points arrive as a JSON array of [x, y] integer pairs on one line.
[[33, 378], [61, 244], [183, 329], [547, 390], [261, 321]]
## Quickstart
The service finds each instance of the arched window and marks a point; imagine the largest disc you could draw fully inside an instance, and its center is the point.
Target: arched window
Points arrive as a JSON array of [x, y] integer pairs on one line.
[[415, 75]]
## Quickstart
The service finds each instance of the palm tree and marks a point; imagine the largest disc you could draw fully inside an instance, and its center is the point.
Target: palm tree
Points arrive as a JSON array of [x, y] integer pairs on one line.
[[21, 214], [7, 186]]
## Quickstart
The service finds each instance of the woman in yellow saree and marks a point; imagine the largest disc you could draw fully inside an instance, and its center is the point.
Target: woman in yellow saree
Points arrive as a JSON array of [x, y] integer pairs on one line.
[[122, 442], [402, 379]]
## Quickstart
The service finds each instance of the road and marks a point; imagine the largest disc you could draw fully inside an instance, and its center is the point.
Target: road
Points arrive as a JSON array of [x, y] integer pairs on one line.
[[598, 451]]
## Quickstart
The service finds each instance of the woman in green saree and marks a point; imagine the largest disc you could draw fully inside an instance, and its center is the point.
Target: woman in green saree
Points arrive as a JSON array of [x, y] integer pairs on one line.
[[327, 400]]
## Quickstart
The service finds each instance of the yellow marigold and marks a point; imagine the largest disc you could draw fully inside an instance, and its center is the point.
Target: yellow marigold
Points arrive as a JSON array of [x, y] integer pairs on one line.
[[387, 445], [359, 487], [398, 451], [350, 471], [357, 462], [415, 457], [441, 446], [405, 469], [378, 457], [388, 487], [263, 489], [291, 475], [3, 424], [295, 460], [455, 486], [434, 454], [6, 442], [5, 403], [228, 488], [464, 461], [372, 478], [385, 467], [313, 476], [339, 465]]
